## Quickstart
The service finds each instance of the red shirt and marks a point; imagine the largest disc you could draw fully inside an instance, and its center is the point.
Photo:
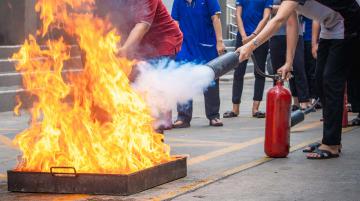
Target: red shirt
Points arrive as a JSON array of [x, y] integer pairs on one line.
[[164, 37]]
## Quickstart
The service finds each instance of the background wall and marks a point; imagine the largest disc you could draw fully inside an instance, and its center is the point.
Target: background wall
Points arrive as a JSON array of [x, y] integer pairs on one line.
[[168, 4], [17, 19]]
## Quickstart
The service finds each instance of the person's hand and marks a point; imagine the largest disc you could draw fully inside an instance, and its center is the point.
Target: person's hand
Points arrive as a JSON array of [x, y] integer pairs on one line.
[[220, 47], [121, 52], [314, 49], [245, 52], [285, 71]]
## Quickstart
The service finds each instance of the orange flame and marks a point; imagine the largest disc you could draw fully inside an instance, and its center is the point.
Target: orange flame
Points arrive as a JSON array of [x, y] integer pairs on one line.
[[18, 105], [93, 122]]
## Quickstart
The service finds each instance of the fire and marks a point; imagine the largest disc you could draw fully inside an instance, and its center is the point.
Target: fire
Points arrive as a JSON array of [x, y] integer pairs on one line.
[[93, 120]]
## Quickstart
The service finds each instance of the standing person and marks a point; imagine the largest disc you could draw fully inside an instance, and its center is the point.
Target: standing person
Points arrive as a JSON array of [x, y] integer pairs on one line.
[[353, 82], [309, 57], [148, 33], [199, 20], [299, 84], [336, 48], [251, 17], [146, 28]]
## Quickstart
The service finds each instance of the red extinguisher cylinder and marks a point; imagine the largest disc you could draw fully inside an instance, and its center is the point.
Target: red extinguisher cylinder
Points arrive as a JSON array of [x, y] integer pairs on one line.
[[277, 130]]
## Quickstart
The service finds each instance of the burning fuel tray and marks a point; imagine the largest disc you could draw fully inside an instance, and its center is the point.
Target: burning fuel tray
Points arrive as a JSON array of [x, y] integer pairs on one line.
[[104, 184]]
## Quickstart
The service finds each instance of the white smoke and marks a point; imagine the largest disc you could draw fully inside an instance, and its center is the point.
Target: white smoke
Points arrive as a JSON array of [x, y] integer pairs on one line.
[[166, 83]]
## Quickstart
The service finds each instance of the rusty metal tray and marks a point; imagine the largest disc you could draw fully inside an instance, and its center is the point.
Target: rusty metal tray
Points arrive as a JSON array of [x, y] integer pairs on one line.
[[102, 184]]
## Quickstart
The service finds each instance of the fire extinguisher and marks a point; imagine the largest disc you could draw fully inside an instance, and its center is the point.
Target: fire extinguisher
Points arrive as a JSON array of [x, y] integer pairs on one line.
[[279, 118], [277, 128], [278, 115]]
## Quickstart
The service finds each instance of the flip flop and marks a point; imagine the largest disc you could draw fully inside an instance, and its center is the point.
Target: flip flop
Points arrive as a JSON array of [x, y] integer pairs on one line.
[[318, 106], [259, 114], [322, 154], [184, 124], [314, 146], [230, 114], [217, 123], [311, 147], [355, 122]]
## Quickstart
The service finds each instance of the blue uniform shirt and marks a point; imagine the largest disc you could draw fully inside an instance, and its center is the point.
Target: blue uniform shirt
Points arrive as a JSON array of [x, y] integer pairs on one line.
[[199, 43], [308, 29], [252, 13]]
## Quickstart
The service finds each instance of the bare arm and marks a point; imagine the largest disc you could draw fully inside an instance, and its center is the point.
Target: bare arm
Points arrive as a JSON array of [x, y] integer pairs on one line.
[[292, 36], [134, 38], [239, 22], [220, 47], [261, 25], [285, 10], [315, 38], [264, 21], [274, 9]]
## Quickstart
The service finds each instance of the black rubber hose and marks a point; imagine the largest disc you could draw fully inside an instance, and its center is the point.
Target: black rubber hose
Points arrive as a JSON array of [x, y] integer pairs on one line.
[[298, 116], [257, 69]]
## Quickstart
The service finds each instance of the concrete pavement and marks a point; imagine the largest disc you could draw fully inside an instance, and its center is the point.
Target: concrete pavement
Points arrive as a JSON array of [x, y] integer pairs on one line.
[[228, 163], [294, 178]]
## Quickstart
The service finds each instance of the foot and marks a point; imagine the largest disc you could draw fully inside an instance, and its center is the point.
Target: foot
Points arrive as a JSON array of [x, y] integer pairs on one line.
[[230, 114], [216, 122], [258, 114], [325, 152], [318, 105], [311, 147], [314, 146], [355, 122], [305, 105], [181, 124]]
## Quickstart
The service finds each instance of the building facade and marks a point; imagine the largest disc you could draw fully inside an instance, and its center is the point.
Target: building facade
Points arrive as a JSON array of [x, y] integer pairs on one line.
[[18, 19]]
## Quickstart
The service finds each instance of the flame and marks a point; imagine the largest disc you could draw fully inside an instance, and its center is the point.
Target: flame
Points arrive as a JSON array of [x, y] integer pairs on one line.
[[93, 120], [18, 105]]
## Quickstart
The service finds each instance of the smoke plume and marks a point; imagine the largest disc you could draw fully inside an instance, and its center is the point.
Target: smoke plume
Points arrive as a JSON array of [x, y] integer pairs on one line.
[[165, 83]]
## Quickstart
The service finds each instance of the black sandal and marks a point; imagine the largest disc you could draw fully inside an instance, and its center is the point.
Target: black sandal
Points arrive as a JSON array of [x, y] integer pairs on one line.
[[322, 154], [312, 147], [215, 122], [184, 124], [230, 114], [259, 114]]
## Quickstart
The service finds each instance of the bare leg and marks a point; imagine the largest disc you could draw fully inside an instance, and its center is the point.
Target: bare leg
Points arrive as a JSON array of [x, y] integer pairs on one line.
[[255, 108], [236, 108]]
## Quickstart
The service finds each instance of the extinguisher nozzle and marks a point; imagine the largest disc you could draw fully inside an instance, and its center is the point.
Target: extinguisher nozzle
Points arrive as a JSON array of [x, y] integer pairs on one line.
[[297, 117]]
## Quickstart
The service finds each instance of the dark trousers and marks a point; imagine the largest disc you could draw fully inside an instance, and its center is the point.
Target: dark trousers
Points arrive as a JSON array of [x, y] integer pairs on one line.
[[260, 55], [299, 84], [330, 74], [212, 104], [353, 83], [310, 65]]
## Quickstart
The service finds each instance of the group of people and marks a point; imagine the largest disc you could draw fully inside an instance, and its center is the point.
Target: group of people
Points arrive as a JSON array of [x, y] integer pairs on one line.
[[338, 45], [315, 40]]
